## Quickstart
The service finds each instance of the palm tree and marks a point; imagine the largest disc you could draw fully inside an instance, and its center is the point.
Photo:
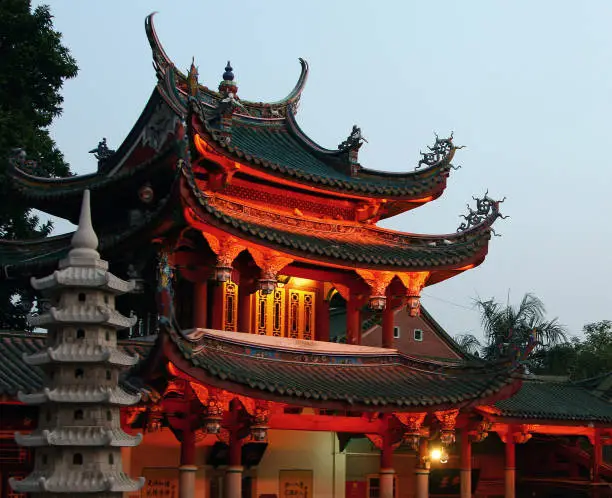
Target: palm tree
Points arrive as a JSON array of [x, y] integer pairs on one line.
[[469, 344], [508, 328]]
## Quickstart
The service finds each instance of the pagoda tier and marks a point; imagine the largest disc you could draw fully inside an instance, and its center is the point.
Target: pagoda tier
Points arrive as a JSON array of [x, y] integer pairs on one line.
[[332, 376], [79, 436], [332, 243], [262, 140]]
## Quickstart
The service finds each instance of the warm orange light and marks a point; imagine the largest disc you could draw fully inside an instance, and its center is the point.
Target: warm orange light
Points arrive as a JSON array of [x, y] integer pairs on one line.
[[302, 282], [466, 267], [172, 370], [423, 199], [200, 144]]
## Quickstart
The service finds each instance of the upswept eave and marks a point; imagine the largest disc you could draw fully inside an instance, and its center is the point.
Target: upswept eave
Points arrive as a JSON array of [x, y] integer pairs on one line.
[[76, 482], [341, 243], [80, 352], [308, 373], [79, 436], [80, 394], [91, 315], [172, 82], [83, 277]]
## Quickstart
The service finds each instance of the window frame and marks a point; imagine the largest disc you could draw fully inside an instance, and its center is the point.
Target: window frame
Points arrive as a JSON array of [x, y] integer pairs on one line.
[[420, 335]]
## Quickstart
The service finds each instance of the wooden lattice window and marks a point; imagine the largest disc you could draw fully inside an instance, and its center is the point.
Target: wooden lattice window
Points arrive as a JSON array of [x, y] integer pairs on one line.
[[301, 314], [230, 306], [270, 313]]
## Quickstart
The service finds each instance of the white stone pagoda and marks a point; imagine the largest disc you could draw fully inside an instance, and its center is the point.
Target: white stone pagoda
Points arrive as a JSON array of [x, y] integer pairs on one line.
[[79, 437]]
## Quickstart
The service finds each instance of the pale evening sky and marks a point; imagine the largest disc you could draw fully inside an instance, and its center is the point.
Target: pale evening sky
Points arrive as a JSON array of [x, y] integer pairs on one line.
[[526, 86]]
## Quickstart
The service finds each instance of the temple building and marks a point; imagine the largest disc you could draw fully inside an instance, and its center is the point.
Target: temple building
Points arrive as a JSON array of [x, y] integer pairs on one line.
[[242, 238]]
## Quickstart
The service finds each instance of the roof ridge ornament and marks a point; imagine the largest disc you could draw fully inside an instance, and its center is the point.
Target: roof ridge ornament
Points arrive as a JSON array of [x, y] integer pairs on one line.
[[351, 145], [102, 153], [487, 210], [443, 149], [192, 79]]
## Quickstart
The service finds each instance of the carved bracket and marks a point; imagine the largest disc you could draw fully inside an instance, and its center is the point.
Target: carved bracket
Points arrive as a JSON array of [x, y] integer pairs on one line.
[[414, 283], [378, 282], [448, 421]]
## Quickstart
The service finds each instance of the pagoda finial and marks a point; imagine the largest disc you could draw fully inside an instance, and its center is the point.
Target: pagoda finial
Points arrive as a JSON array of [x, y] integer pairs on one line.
[[228, 85], [85, 241], [228, 75]]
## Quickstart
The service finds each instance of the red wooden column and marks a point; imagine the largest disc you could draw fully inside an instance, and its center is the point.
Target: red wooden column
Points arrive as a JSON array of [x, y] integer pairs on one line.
[[353, 320], [200, 301], [421, 470], [217, 307], [233, 474], [388, 322], [387, 473], [510, 474], [466, 465], [321, 315], [596, 461]]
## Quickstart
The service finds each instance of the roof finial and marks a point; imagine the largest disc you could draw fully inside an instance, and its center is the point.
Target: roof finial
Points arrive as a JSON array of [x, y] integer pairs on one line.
[[228, 75], [228, 86], [85, 241], [192, 79]]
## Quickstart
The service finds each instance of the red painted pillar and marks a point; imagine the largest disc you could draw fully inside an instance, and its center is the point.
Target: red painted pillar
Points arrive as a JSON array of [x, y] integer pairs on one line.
[[353, 320], [466, 465], [321, 316], [217, 308], [388, 322], [510, 485], [233, 474], [187, 470], [200, 301], [387, 473], [597, 457]]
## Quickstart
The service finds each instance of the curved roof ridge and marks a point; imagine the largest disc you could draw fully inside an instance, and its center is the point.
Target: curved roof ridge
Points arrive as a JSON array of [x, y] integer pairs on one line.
[[163, 64]]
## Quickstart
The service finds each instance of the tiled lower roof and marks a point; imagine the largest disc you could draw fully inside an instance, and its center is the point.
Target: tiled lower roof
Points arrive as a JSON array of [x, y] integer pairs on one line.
[[555, 401], [331, 375], [16, 375]]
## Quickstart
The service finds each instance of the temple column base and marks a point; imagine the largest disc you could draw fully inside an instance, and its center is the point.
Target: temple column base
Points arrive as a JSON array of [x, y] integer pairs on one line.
[[387, 478], [510, 491], [421, 481], [233, 481], [466, 483], [187, 479]]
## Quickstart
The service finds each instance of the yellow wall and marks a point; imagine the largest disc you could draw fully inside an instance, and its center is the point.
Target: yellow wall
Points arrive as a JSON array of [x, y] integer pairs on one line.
[[302, 450]]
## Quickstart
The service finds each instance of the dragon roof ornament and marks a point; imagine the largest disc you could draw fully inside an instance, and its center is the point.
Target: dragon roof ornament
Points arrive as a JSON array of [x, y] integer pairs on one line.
[[443, 149], [487, 211]]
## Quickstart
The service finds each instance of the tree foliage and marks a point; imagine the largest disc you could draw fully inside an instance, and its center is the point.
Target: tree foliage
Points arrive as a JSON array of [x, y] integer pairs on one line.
[[33, 66]]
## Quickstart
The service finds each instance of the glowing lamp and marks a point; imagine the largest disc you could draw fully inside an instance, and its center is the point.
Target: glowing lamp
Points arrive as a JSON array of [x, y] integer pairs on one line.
[[435, 454], [267, 286], [443, 456], [223, 273], [378, 302], [414, 305]]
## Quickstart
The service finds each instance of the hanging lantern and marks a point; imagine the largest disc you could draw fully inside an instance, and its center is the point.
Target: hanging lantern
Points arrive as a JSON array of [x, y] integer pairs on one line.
[[443, 455], [259, 425], [412, 439], [447, 437], [223, 273], [267, 285], [378, 302], [414, 305], [214, 416]]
